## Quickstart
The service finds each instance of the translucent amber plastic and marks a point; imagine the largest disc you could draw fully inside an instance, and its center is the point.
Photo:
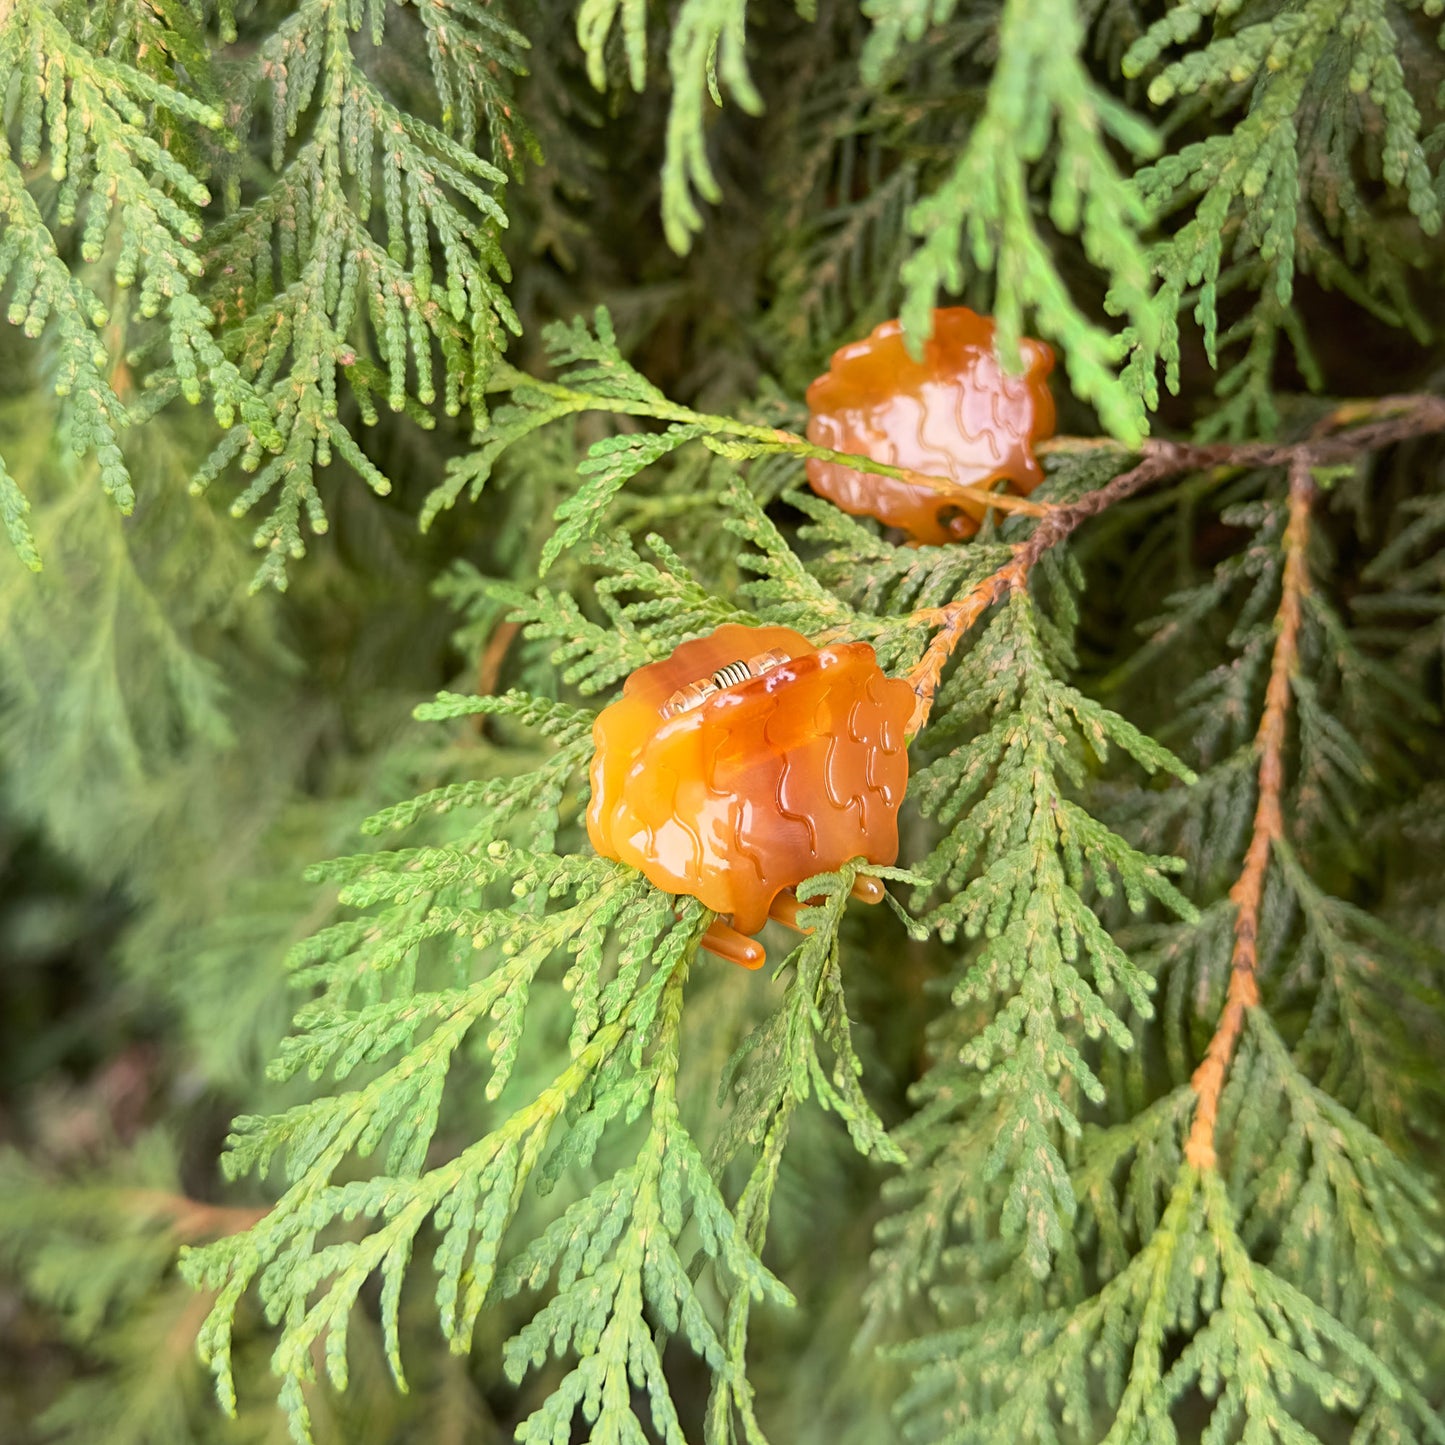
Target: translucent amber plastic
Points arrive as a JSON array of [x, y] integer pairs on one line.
[[738, 794], [952, 414]]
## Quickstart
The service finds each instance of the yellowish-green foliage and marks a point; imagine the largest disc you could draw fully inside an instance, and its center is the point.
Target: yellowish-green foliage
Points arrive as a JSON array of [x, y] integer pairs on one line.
[[1117, 1122]]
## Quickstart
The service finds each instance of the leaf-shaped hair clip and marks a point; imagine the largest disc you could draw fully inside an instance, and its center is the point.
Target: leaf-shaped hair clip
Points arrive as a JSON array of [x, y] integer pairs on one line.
[[746, 762], [954, 413]]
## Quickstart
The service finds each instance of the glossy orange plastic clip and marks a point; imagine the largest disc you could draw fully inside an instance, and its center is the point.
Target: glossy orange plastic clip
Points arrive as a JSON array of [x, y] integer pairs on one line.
[[952, 414], [746, 762]]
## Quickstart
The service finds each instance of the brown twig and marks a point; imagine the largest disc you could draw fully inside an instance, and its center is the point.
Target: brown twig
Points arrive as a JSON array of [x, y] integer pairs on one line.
[[955, 618], [1243, 991], [489, 668], [192, 1219], [952, 621], [1350, 430]]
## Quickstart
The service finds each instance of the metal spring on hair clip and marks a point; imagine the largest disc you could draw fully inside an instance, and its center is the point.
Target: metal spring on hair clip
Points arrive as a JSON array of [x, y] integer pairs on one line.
[[734, 672], [686, 698]]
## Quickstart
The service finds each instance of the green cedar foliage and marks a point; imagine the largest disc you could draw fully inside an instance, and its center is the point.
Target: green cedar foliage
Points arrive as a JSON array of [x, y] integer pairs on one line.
[[503, 1154]]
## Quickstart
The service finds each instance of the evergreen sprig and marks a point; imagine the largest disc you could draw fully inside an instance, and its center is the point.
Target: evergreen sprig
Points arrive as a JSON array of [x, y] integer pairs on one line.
[[1228, 1215], [1042, 99], [374, 1005], [1263, 1353], [90, 106], [396, 997], [310, 301], [1280, 192], [595, 376], [99, 1244], [1019, 861], [620, 1274], [1154, 1143], [706, 51]]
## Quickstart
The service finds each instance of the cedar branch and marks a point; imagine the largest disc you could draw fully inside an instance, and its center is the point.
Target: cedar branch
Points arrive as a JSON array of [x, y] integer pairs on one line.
[[1243, 991], [955, 618], [1351, 430], [763, 439]]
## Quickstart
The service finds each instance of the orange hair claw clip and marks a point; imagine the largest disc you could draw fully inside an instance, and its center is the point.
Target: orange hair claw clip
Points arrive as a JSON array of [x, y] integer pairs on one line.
[[953, 414], [746, 762]]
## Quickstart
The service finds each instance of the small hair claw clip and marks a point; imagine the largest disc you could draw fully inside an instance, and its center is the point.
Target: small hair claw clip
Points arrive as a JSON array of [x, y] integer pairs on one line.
[[952, 414], [746, 762]]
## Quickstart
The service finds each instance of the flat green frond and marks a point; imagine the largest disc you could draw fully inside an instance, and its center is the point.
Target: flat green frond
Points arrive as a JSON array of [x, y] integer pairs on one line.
[[1118, 1120], [880, 578], [100, 1245], [707, 51], [595, 19], [1261, 1355], [781, 584], [593, 375], [474, 54], [526, 413], [588, 359], [620, 1275], [1280, 193], [557, 720], [895, 24], [130, 207], [607, 467], [376, 247], [13, 510], [1403, 608], [660, 603], [1024, 867], [373, 1015], [981, 218], [591, 657]]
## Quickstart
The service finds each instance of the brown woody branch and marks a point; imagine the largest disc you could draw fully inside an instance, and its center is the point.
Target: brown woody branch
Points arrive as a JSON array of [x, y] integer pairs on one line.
[[192, 1219], [1351, 430], [489, 669], [957, 617], [1243, 991]]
